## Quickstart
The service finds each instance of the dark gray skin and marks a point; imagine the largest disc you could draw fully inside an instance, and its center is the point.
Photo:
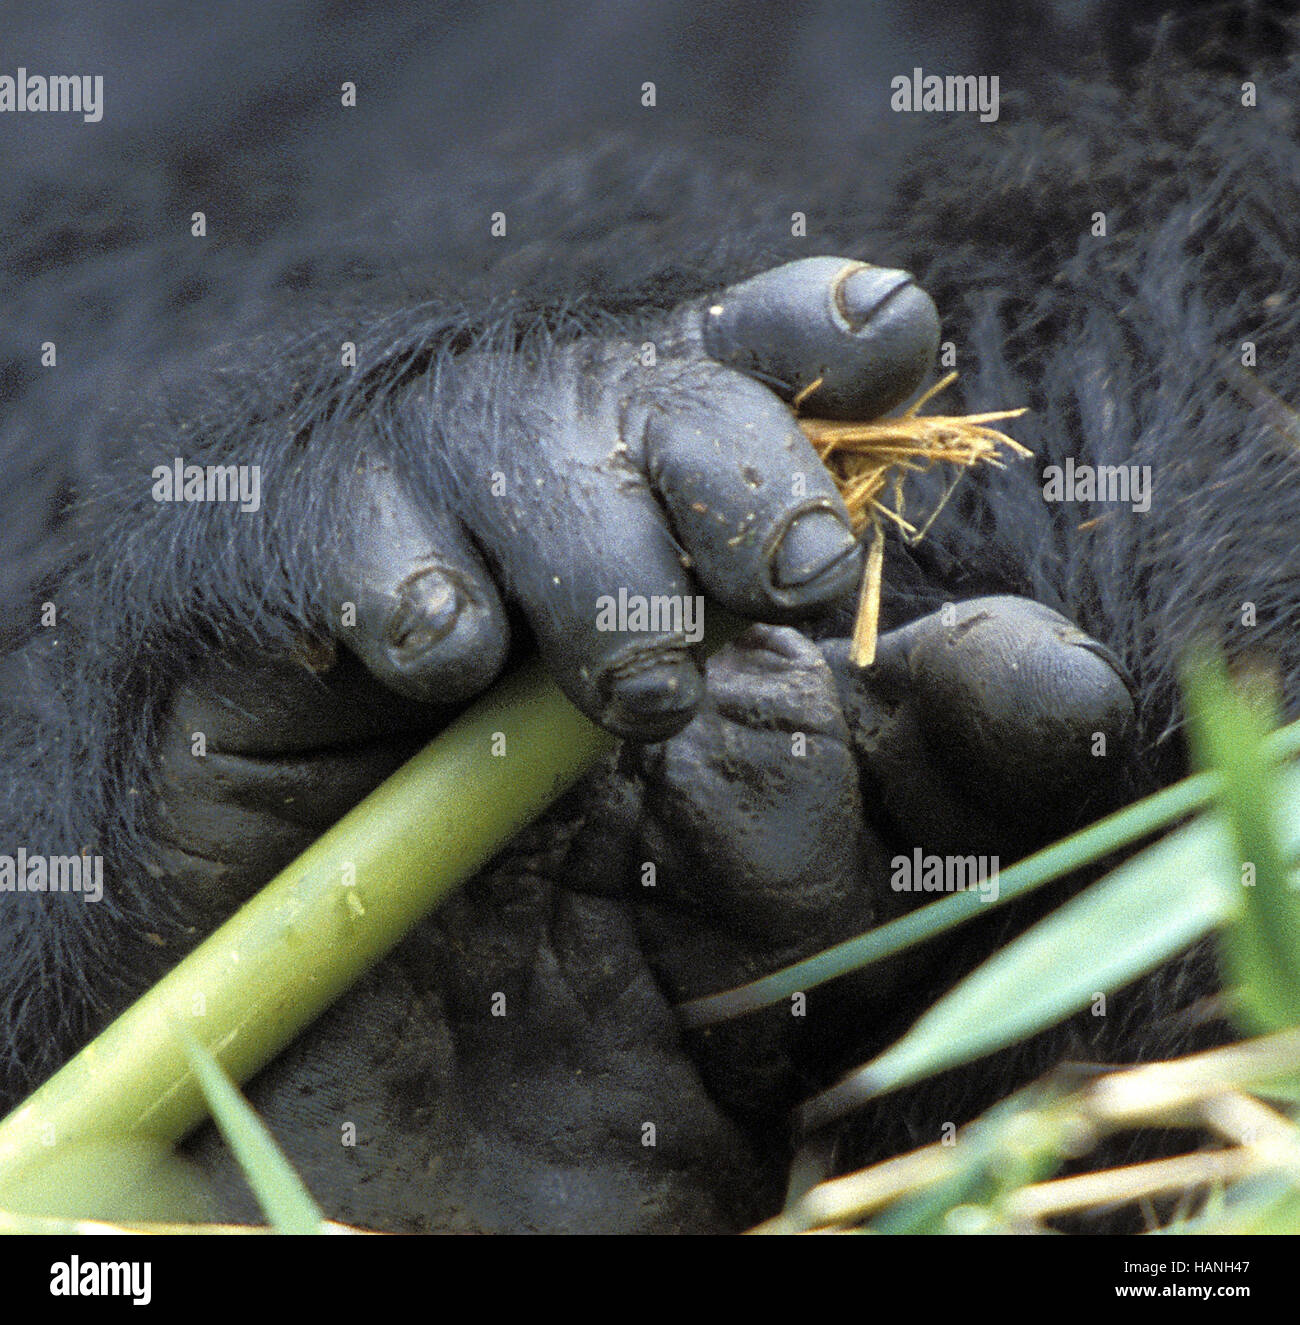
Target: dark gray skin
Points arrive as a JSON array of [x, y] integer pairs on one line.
[[685, 477], [572, 475]]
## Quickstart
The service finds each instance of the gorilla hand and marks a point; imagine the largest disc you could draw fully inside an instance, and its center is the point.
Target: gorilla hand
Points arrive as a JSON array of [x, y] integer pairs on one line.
[[551, 479], [752, 839], [396, 539]]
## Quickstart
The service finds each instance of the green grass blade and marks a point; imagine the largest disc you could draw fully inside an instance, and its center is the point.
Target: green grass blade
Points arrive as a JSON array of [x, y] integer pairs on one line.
[[1131, 922], [1118, 830], [287, 1204], [1261, 948]]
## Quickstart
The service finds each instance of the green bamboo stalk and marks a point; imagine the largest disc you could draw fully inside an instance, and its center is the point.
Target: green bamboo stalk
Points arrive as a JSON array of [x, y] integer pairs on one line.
[[326, 919], [309, 935]]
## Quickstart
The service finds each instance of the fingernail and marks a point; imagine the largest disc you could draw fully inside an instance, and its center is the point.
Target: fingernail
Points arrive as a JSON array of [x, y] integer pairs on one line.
[[426, 612], [814, 545], [863, 293], [652, 695], [1099, 650]]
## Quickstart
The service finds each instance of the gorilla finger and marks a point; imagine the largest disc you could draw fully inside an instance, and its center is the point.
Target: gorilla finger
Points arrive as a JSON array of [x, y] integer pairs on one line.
[[614, 612], [760, 515], [412, 598], [1012, 696], [867, 334]]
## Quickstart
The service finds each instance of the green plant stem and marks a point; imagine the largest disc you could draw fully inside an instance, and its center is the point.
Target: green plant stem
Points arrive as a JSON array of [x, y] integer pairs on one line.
[[309, 935], [326, 919]]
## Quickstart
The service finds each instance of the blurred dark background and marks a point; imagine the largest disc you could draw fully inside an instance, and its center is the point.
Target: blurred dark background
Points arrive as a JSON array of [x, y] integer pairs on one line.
[[234, 109]]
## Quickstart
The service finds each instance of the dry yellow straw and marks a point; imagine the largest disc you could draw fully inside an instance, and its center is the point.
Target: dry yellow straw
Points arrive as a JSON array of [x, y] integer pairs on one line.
[[868, 458]]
